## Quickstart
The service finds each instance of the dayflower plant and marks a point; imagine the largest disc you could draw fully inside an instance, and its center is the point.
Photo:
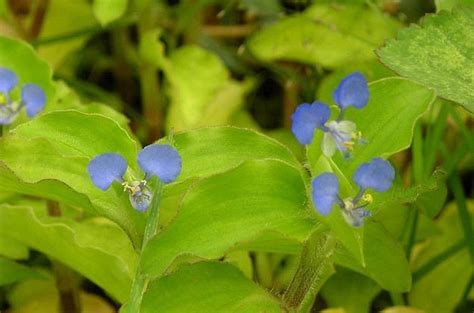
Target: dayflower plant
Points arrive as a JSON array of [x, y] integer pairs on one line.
[[339, 134], [160, 160], [32, 97], [378, 175]]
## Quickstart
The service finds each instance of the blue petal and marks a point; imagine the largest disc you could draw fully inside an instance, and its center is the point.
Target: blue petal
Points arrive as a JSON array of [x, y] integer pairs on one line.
[[160, 160], [105, 168], [378, 174], [34, 99], [352, 91], [307, 118], [8, 80], [325, 192]]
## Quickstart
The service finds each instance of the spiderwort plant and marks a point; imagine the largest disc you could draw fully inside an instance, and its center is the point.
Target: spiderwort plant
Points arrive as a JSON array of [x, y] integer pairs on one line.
[[159, 160], [32, 98], [339, 134], [378, 175]]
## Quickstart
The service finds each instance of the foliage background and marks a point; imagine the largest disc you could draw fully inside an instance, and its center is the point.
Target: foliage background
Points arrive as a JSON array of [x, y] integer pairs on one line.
[[135, 71]]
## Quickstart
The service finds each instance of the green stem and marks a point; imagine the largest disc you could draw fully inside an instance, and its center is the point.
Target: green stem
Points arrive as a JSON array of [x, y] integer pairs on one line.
[[434, 138], [456, 186], [140, 282], [316, 266], [66, 283]]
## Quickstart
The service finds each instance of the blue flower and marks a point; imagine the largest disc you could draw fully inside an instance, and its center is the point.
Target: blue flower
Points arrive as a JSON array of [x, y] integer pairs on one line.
[[325, 192], [307, 118], [8, 80], [32, 98], [339, 134], [158, 160], [352, 91], [106, 168], [378, 175]]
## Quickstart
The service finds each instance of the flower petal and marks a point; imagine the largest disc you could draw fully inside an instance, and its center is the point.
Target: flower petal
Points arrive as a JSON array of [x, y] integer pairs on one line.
[[307, 118], [352, 91], [378, 174], [105, 168], [328, 145], [8, 80], [160, 160], [325, 192], [34, 99]]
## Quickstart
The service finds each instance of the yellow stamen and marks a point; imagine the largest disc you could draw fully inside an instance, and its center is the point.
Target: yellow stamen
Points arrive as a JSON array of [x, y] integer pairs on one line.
[[368, 198]]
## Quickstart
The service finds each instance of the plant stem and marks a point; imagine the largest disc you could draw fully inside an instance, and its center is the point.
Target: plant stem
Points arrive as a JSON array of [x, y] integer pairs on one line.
[[69, 301], [140, 282], [456, 186]]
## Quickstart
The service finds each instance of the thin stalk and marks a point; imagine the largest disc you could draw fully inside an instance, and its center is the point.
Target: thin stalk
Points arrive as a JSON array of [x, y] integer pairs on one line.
[[434, 138], [150, 84], [140, 282], [465, 218], [66, 280]]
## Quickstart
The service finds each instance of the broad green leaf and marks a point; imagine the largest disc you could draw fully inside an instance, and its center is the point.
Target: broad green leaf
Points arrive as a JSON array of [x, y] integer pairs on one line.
[[441, 286], [207, 287], [55, 149], [98, 249], [22, 59], [449, 4], [12, 272], [324, 35], [201, 90], [236, 206], [208, 151], [385, 260], [13, 249], [439, 55], [107, 11], [387, 122], [350, 290], [57, 24]]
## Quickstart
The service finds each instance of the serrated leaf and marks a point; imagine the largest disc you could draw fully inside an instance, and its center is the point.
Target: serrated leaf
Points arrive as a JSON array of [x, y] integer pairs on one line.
[[207, 287], [237, 206], [324, 35], [438, 54], [98, 249]]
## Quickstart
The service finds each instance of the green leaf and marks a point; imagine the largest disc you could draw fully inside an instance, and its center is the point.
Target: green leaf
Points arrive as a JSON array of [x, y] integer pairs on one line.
[[387, 122], [350, 290], [208, 151], [237, 206], [54, 150], [385, 260], [444, 52], [449, 4], [13, 249], [107, 11], [207, 287], [201, 90], [22, 59], [444, 280], [55, 42], [12, 272], [324, 35], [98, 249]]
